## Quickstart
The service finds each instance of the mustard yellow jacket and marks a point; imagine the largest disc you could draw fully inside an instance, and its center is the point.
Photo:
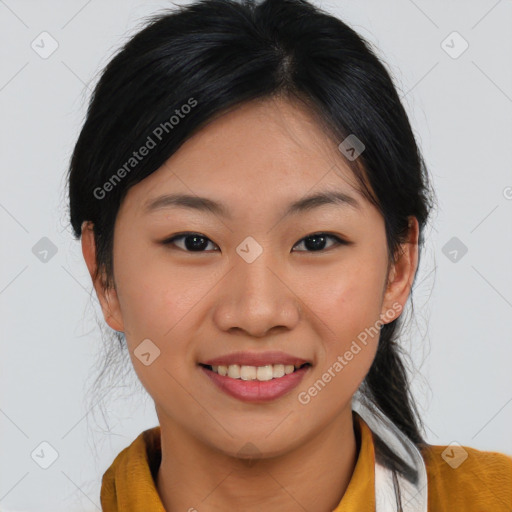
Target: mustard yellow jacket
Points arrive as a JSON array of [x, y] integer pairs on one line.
[[483, 482]]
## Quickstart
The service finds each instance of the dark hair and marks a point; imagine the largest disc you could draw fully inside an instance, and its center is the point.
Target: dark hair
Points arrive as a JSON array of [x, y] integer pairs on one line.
[[209, 57]]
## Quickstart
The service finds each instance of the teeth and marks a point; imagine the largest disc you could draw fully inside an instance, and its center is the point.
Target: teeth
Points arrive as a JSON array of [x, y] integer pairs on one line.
[[234, 371], [288, 368], [278, 371], [248, 372], [261, 373], [265, 372]]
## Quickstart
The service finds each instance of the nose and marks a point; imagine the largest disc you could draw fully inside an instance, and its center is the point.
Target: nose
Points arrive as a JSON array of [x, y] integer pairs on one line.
[[256, 299]]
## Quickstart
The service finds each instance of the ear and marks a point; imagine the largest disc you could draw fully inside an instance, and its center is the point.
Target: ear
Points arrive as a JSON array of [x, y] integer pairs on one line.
[[108, 297], [401, 275]]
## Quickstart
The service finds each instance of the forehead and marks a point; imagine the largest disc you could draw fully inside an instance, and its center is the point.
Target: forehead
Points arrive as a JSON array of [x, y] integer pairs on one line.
[[266, 151]]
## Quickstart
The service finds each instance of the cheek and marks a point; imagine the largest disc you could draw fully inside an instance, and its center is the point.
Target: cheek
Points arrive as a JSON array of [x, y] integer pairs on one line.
[[352, 316], [348, 307], [354, 306], [155, 303], [351, 310], [153, 294], [159, 302], [348, 299]]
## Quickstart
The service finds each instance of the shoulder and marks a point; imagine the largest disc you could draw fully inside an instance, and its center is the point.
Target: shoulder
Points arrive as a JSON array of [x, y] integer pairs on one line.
[[464, 478], [132, 473]]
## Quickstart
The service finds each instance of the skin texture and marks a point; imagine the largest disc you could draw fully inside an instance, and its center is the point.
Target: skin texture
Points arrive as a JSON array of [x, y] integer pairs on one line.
[[310, 303]]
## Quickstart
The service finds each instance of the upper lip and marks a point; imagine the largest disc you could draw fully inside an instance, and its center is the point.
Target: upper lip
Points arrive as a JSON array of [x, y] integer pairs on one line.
[[255, 359]]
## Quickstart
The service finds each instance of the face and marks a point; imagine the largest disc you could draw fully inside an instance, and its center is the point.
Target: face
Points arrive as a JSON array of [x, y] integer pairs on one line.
[[252, 276]]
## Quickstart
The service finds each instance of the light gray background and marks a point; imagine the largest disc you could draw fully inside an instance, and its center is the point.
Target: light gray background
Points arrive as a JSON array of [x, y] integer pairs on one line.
[[461, 110]]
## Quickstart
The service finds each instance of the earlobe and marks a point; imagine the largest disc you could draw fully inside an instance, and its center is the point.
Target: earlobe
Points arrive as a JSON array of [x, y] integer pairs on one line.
[[107, 297], [401, 274]]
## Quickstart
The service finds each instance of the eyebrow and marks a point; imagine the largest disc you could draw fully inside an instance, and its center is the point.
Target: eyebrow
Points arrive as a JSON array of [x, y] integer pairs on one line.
[[205, 205]]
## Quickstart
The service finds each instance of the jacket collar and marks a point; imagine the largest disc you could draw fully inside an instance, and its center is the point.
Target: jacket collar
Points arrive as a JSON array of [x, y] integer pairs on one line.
[[128, 485]]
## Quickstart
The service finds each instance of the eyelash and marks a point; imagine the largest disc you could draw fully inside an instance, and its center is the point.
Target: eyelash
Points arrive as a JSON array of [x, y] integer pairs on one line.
[[338, 241]]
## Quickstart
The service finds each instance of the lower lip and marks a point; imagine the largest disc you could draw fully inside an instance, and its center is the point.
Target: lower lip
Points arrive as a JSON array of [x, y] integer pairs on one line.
[[255, 390]]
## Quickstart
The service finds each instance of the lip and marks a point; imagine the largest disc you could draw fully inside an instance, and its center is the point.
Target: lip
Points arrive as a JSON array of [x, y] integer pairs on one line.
[[256, 359], [255, 390]]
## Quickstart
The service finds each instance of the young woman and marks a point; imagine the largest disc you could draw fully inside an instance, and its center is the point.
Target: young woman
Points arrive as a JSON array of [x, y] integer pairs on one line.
[[251, 204]]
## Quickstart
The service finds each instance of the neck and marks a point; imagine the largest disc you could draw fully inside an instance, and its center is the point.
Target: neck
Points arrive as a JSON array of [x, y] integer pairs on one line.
[[313, 476]]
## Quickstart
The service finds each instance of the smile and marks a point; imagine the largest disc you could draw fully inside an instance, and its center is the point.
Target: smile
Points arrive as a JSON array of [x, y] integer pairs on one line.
[[255, 383]]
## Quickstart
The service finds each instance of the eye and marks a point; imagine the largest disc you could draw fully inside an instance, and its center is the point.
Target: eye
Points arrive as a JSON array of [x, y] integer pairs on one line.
[[316, 241], [194, 242]]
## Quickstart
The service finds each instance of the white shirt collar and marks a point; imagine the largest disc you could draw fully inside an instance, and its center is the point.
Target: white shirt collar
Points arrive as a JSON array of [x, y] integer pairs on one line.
[[414, 495]]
